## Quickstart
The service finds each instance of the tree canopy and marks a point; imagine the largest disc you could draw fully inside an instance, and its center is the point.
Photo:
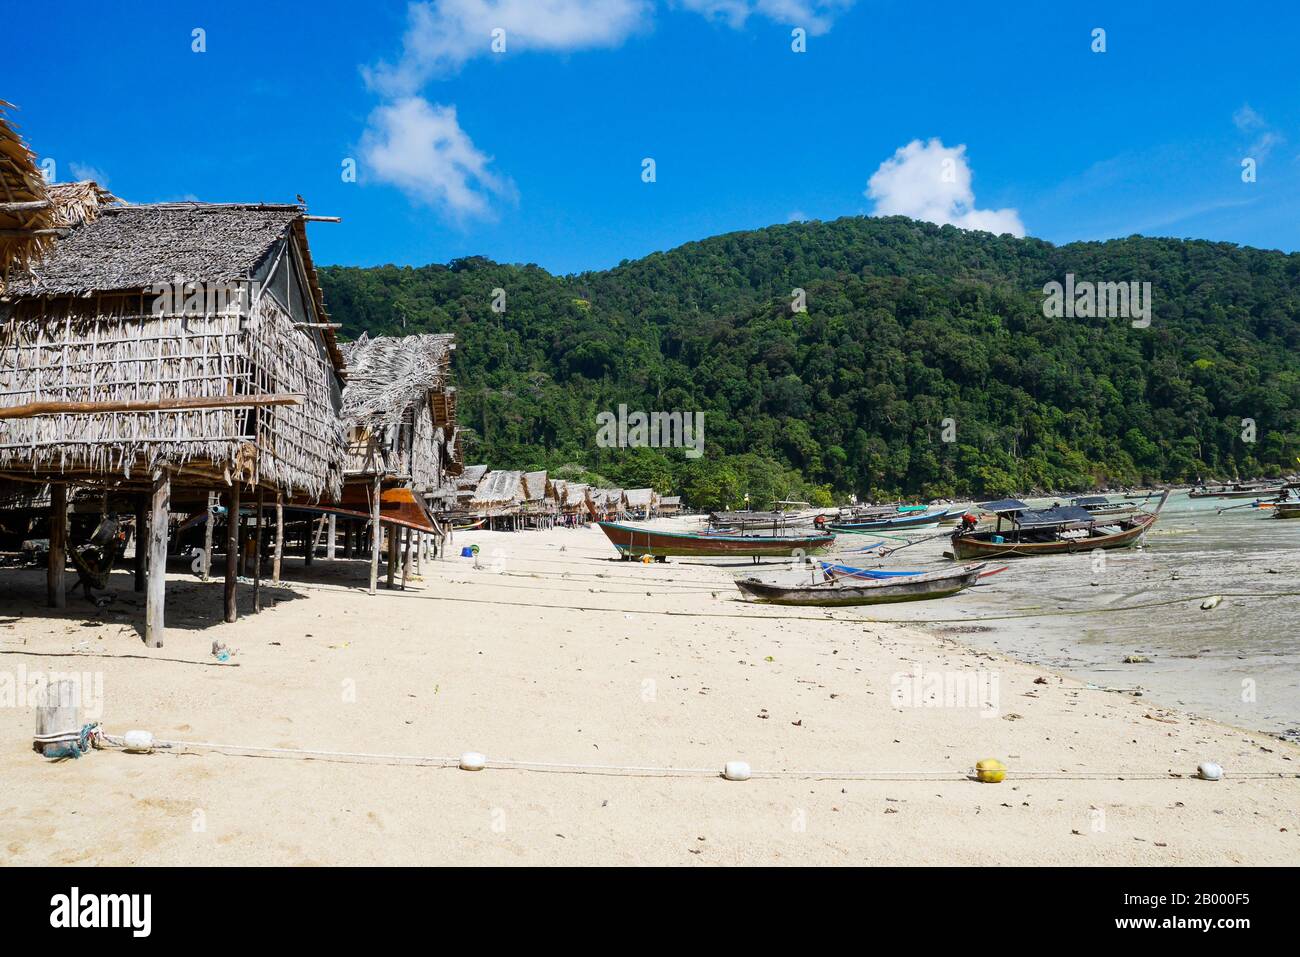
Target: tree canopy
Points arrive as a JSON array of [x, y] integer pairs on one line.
[[924, 364]]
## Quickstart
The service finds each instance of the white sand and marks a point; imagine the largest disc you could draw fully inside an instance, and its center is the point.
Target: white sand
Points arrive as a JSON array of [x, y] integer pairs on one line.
[[558, 655]]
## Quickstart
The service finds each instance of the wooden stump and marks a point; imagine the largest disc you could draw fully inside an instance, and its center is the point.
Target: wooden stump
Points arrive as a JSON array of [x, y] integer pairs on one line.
[[155, 597], [58, 554], [60, 713]]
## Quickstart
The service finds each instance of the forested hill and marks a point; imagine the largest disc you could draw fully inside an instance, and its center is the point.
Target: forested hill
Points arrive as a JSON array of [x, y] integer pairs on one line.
[[907, 325]]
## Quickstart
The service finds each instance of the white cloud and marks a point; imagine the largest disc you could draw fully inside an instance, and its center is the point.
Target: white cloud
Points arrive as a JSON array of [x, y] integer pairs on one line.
[[1247, 120], [932, 182], [84, 171], [816, 16], [420, 148], [442, 35]]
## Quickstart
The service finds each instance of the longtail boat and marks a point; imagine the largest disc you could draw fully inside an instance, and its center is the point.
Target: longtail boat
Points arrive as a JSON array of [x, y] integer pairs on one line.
[[1023, 532], [1103, 507], [633, 542], [1236, 491], [914, 587], [872, 522], [1286, 510]]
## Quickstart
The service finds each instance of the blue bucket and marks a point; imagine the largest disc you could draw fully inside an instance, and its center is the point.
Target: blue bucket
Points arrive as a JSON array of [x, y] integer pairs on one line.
[[467, 552]]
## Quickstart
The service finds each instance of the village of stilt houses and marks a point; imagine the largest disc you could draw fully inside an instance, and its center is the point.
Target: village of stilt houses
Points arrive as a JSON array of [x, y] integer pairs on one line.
[[257, 608]]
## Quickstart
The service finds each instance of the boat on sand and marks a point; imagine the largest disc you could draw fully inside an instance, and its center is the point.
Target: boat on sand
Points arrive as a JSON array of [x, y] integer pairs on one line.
[[633, 542], [919, 586]]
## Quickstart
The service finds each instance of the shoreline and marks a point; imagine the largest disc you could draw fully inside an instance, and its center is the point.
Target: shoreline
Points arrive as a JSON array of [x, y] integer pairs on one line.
[[515, 668]]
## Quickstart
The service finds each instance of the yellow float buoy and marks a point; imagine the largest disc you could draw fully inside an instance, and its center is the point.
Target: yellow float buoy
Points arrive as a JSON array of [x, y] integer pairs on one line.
[[647, 559], [990, 771]]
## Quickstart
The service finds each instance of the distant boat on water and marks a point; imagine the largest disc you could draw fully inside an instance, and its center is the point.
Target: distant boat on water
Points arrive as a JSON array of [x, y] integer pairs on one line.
[[871, 520], [1240, 490]]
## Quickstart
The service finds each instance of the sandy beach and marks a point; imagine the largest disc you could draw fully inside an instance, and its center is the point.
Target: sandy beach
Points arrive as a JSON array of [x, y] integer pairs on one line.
[[550, 651]]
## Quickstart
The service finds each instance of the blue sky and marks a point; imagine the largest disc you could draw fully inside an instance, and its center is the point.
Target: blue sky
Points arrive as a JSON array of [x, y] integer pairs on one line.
[[993, 115]]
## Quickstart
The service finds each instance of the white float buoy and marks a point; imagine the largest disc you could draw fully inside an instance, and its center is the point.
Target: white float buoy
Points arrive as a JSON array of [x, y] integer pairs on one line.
[[736, 771], [1209, 771], [472, 761], [140, 742], [1211, 602]]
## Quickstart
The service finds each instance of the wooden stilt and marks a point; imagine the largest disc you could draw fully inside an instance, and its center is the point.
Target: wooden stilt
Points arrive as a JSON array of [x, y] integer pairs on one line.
[[375, 533], [58, 554], [279, 537], [257, 552], [141, 539], [392, 556], [155, 596], [232, 552], [308, 545], [331, 534], [208, 529], [407, 534]]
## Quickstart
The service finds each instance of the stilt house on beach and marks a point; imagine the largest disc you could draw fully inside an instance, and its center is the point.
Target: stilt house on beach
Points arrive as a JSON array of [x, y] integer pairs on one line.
[[160, 352]]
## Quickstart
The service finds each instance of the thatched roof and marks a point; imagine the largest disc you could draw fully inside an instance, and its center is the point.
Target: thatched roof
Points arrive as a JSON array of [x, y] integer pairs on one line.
[[535, 486], [135, 247], [388, 375], [498, 488], [76, 204], [471, 476], [639, 497], [25, 207]]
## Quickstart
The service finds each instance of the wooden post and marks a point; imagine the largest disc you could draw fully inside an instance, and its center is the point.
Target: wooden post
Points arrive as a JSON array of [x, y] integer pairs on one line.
[[375, 533], [208, 530], [57, 715], [257, 553], [279, 537], [155, 597], [58, 554], [141, 535], [392, 555], [308, 544], [232, 552], [349, 531], [406, 556], [332, 532]]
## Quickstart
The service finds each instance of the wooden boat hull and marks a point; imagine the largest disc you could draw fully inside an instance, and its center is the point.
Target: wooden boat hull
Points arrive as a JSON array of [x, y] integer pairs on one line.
[[1289, 510], [397, 506], [979, 545], [921, 587], [634, 542]]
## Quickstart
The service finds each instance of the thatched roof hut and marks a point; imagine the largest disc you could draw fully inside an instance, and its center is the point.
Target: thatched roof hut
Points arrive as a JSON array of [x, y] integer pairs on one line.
[[498, 493], [190, 336], [400, 407], [169, 350]]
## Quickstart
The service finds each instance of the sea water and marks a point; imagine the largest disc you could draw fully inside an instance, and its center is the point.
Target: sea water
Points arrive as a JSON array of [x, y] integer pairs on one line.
[[1238, 662]]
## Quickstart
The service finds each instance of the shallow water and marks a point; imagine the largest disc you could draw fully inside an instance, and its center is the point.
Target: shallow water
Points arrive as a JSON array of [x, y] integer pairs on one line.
[[1239, 662]]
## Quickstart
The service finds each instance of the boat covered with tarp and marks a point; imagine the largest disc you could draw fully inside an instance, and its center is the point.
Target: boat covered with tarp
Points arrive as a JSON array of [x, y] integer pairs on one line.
[[1024, 532]]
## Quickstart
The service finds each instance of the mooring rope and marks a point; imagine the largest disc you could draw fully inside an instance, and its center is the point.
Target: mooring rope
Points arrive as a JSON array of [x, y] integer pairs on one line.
[[563, 767]]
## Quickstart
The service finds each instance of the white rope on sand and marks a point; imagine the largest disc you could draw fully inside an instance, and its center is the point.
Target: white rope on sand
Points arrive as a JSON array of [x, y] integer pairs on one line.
[[445, 761]]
